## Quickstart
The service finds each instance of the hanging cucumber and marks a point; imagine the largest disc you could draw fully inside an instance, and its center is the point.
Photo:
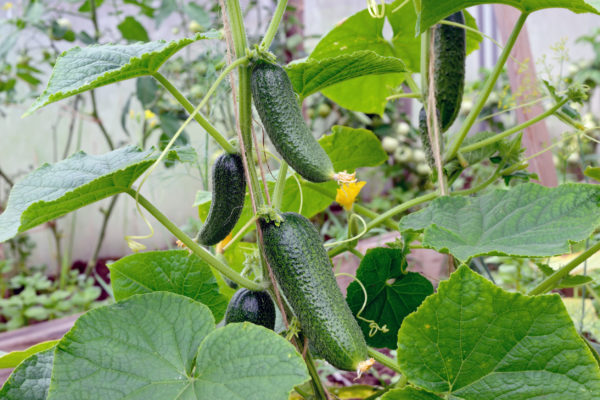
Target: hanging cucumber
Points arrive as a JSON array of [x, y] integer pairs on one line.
[[449, 69], [249, 306], [424, 135], [282, 118], [229, 191], [300, 263]]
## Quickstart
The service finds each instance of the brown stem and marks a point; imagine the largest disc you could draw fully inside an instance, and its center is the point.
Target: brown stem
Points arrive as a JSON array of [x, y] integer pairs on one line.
[[72, 126], [6, 178], [94, 258], [98, 121]]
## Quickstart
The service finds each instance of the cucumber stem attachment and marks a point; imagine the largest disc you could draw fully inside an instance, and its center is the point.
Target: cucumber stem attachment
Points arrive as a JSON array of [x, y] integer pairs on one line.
[[193, 246], [384, 360], [273, 25]]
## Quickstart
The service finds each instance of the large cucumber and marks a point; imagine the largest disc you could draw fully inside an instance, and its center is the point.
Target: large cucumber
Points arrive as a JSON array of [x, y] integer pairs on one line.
[[249, 306], [229, 191], [282, 118], [300, 263], [449, 69]]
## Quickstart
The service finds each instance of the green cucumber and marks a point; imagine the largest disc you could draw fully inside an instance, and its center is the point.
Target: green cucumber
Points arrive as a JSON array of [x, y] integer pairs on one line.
[[424, 135], [282, 118], [449, 69], [302, 268], [229, 191], [249, 306]]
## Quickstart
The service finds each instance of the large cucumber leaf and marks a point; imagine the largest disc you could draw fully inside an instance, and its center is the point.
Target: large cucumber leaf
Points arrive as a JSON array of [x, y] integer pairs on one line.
[[432, 11], [475, 341], [54, 190], [526, 221], [175, 271], [164, 346], [14, 358], [312, 75], [348, 150], [409, 393], [31, 379], [80, 69], [392, 294]]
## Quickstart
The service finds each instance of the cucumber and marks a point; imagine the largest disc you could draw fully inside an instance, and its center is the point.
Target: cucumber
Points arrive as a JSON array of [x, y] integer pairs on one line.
[[229, 191], [302, 268], [449, 69], [424, 134], [282, 118], [249, 306]]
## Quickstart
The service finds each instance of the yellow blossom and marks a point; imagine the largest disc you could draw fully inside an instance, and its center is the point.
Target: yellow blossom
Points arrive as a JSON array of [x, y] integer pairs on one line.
[[131, 114], [7, 6], [149, 114], [346, 195]]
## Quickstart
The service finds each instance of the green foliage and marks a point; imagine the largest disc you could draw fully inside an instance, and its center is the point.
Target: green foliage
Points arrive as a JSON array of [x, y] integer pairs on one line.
[[14, 358], [472, 340], [132, 30], [409, 393], [31, 379], [163, 345], [174, 271], [527, 221], [392, 294]]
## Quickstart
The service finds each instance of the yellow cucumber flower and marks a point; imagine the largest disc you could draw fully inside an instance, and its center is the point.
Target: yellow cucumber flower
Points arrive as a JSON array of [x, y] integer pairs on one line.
[[346, 195]]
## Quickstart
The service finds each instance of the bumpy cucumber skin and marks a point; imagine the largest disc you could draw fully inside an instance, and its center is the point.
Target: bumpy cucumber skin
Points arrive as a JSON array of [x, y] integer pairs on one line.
[[282, 118], [424, 134], [229, 191], [249, 306], [449, 69], [302, 268]]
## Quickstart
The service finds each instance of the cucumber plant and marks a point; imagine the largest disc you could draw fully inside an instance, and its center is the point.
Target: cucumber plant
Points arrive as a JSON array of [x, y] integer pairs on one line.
[[468, 340]]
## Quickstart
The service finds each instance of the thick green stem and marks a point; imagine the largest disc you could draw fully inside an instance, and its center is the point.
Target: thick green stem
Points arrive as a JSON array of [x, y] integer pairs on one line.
[[480, 187], [384, 360], [400, 209], [212, 131], [193, 246], [487, 89], [280, 185], [274, 25], [320, 392], [512, 131], [553, 280]]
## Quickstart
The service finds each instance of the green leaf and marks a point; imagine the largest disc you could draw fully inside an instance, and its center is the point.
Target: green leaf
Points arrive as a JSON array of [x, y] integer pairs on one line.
[[391, 294], [14, 358], [473, 340], [146, 90], [31, 379], [432, 11], [87, 6], [54, 190], [164, 346], [409, 393], [358, 33], [131, 29], [174, 271], [593, 172], [81, 69], [473, 39], [312, 75], [569, 281], [528, 220], [350, 148], [476, 156]]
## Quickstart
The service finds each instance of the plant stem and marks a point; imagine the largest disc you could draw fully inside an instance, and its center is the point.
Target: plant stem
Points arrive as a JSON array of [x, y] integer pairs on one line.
[[98, 121], [480, 187], [274, 25], [512, 131], [487, 89], [384, 360], [92, 261], [404, 96], [193, 246], [212, 131], [357, 253], [6, 178], [553, 280], [401, 208], [320, 391], [280, 185]]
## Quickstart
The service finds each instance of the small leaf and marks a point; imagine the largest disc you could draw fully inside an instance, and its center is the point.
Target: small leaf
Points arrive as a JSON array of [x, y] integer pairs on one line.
[[52, 191], [174, 271], [80, 69], [14, 358], [391, 294], [146, 90], [312, 75], [431, 11], [528, 220], [164, 346], [569, 281], [350, 148], [131, 29], [475, 341], [409, 393], [31, 379], [593, 172]]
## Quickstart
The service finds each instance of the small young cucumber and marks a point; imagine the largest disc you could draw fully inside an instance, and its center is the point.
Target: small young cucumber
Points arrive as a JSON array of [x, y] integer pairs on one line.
[[449, 69], [282, 118], [229, 191], [249, 306], [302, 268], [424, 135]]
